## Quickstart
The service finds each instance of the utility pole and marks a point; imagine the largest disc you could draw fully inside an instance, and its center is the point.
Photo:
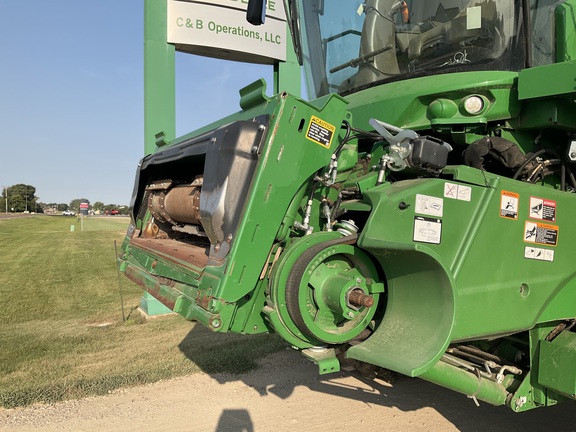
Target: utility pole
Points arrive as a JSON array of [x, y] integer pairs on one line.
[[6, 197]]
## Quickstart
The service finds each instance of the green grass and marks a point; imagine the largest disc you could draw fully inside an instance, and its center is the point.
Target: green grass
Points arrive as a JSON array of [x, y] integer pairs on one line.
[[61, 328]]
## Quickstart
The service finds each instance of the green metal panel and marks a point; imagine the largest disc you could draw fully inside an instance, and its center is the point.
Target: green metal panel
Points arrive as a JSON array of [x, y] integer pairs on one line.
[[565, 16], [557, 360], [406, 104], [444, 284], [560, 79], [287, 74]]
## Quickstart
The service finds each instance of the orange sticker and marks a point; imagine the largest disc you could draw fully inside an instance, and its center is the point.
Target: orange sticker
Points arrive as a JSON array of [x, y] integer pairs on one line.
[[509, 205]]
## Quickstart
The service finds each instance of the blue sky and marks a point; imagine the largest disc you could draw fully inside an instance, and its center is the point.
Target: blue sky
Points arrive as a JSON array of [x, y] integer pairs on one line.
[[72, 95]]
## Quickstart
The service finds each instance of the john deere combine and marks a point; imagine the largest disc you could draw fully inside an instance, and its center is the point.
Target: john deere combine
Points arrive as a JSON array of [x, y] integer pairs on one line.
[[416, 214]]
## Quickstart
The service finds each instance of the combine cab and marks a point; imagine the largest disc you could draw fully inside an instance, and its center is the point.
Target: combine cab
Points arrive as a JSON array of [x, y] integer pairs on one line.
[[414, 215]]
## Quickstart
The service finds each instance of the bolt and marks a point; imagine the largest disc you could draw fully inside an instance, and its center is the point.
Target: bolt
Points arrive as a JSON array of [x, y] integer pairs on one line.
[[229, 238], [255, 149], [573, 155], [358, 298], [261, 127], [358, 280], [350, 314], [402, 205], [216, 323], [217, 247]]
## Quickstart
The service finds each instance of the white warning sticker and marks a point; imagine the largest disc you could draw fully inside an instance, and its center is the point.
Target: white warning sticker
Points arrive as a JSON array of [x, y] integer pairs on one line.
[[429, 205], [427, 230], [538, 254], [542, 209], [457, 191]]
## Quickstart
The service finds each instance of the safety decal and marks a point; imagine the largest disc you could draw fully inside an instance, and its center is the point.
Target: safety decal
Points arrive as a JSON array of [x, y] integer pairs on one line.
[[429, 205], [320, 132], [538, 254], [427, 230], [509, 205], [542, 209], [457, 191], [540, 233]]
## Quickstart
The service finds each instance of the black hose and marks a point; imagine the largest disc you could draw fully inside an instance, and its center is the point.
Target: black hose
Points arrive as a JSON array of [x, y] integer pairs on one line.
[[345, 139], [526, 162]]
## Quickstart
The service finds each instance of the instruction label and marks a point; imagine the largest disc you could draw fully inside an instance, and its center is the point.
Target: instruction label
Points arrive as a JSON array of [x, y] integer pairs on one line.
[[429, 205], [509, 205], [457, 191], [542, 209], [427, 230], [538, 254], [320, 132], [540, 233]]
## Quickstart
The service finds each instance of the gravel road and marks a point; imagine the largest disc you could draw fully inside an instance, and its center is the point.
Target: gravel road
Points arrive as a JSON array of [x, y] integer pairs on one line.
[[284, 394]]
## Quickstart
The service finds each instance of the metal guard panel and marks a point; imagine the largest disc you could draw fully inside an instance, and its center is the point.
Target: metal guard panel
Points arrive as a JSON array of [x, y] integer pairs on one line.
[[231, 159], [419, 316]]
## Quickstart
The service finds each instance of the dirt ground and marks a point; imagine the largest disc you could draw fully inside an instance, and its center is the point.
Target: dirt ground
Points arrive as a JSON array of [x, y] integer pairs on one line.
[[285, 394]]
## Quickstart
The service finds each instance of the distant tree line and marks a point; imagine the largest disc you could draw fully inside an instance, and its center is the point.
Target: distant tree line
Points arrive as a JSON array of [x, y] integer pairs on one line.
[[21, 198]]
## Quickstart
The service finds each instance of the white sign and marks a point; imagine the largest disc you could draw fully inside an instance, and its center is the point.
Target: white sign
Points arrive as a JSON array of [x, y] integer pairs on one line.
[[429, 205], [219, 29], [427, 230]]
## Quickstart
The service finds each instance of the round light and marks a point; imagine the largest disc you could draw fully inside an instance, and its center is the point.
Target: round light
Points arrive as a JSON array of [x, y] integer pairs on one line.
[[474, 104]]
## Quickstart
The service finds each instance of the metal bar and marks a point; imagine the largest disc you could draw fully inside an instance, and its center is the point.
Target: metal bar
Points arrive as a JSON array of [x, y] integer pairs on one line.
[[467, 383]]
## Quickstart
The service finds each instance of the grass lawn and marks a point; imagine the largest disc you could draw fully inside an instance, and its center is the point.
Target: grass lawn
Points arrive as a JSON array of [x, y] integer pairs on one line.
[[61, 328]]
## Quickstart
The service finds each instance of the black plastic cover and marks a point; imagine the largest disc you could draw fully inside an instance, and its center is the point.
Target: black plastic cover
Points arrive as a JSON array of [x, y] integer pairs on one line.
[[429, 153]]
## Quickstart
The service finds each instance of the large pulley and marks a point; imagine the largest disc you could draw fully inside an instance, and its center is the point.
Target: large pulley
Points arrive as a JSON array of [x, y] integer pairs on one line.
[[326, 289]]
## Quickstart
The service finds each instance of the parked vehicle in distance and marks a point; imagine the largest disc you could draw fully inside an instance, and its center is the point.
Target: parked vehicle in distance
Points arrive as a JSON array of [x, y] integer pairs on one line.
[[114, 212], [68, 213]]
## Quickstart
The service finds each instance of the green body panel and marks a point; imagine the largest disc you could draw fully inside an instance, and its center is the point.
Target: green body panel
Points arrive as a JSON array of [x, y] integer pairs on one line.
[[565, 17], [559, 78], [557, 359], [444, 284], [406, 104]]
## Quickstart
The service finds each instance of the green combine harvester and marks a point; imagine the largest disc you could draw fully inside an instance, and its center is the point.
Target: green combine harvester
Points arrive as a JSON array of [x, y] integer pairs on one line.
[[414, 214]]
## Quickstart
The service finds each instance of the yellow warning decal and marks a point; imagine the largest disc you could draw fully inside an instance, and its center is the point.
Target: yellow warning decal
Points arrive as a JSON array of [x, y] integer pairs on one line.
[[540, 233], [320, 132]]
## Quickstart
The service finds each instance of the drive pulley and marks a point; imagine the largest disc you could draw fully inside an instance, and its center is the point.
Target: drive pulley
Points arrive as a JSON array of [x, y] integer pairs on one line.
[[325, 289]]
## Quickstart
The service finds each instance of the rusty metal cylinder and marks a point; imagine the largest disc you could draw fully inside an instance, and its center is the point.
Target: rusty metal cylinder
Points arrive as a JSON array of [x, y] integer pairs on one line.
[[181, 204], [358, 298]]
